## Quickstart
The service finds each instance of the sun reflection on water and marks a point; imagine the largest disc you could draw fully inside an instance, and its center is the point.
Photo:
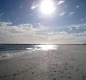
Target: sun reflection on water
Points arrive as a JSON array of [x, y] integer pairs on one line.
[[47, 47]]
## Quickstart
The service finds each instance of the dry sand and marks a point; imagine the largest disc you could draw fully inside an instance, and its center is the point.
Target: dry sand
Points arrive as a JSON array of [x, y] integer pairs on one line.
[[68, 62]]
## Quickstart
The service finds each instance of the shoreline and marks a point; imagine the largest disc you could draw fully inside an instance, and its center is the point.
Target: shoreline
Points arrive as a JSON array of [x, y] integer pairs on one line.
[[68, 62]]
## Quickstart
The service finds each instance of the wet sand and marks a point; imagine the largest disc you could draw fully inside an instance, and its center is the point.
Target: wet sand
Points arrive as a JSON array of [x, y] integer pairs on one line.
[[68, 62]]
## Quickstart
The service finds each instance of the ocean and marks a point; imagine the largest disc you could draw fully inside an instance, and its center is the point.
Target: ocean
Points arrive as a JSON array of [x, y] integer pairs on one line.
[[10, 50]]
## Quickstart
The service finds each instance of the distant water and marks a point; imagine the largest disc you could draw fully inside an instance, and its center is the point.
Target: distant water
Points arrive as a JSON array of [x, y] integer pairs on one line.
[[10, 50]]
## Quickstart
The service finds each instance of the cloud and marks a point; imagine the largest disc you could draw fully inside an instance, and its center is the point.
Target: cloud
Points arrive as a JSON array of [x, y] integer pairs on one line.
[[62, 14], [60, 2], [28, 34], [80, 27], [83, 19], [77, 6], [34, 6], [71, 13]]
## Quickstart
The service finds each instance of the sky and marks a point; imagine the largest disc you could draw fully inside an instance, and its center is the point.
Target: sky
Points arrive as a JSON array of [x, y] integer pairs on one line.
[[43, 21]]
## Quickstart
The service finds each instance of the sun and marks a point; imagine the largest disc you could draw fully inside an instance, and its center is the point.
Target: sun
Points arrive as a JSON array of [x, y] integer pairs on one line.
[[47, 7]]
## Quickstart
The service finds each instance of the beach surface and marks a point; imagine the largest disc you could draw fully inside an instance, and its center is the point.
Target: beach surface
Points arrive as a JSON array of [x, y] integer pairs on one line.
[[67, 62]]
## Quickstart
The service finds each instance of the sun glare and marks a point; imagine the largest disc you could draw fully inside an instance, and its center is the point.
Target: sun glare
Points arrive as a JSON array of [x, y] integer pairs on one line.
[[47, 47], [47, 7]]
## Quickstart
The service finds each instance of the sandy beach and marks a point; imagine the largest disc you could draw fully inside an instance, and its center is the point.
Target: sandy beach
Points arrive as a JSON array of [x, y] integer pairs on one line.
[[68, 62]]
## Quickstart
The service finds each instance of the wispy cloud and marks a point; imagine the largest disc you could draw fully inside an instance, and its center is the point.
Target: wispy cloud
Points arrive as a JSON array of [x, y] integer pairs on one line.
[[62, 14], [34, 6], [77, 6], [60, 2], [80, 27], [83, 19], [26, 33], [71, 13]]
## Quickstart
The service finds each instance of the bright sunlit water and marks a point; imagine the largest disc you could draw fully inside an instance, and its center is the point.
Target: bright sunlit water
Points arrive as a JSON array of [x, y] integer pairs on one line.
[[10, 50], [47, 47]]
